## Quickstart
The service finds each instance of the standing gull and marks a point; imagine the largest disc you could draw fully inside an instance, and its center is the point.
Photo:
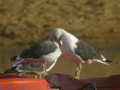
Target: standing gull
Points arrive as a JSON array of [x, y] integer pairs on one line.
[[38, 58], [76, 50]]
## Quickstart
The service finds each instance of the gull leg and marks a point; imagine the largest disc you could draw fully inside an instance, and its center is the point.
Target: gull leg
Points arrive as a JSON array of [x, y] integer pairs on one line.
[[44, 68], [78, 70], [35, 76], [32, 74], [39, 76]]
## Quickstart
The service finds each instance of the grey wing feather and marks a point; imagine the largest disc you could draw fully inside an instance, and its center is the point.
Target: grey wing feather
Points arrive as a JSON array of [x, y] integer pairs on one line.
[[39, 49], [86, 52]]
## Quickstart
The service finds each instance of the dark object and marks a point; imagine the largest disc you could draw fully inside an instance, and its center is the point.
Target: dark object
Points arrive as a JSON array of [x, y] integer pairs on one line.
[[66, 82], [88, 85]]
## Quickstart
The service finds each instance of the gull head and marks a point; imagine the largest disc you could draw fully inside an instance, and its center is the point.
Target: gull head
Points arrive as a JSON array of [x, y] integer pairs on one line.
[[57, 35]]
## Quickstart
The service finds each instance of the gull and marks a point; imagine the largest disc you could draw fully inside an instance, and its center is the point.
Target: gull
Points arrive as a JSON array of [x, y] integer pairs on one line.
[[38, 58], [77, 50]]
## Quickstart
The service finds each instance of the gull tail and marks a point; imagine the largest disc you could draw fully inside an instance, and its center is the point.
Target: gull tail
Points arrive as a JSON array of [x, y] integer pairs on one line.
[[104, 60], [108, 60]]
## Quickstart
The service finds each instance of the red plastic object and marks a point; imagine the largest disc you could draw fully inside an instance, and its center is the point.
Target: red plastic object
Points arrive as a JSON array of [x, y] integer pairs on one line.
[[17, 83]]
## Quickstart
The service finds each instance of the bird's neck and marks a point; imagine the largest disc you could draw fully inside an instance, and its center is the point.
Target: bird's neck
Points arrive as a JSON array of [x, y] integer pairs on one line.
[[69, 36]]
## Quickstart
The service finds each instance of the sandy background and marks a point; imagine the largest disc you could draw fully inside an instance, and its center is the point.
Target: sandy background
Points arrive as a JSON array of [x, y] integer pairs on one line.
[[27, 21], [23, 22]]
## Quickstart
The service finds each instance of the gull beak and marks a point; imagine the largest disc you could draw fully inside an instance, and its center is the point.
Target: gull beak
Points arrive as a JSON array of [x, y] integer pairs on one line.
[[59, 41]]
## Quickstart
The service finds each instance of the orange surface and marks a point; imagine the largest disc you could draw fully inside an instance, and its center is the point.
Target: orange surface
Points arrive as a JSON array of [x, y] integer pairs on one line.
[[23, 84]]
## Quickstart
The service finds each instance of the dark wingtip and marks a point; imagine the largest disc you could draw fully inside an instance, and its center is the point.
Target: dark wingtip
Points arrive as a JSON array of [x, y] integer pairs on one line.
[[109, 60]]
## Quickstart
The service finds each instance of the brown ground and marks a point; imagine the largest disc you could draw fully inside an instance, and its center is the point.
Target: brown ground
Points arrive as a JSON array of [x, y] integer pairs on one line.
[[26, 21]]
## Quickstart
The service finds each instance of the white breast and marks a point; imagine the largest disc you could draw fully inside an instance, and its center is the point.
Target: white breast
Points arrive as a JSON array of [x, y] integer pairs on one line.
[[68, 46], [69, 42]]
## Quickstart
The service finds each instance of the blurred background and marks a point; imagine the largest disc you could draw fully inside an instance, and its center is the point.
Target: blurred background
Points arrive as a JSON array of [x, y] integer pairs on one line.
[[23, 22]]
